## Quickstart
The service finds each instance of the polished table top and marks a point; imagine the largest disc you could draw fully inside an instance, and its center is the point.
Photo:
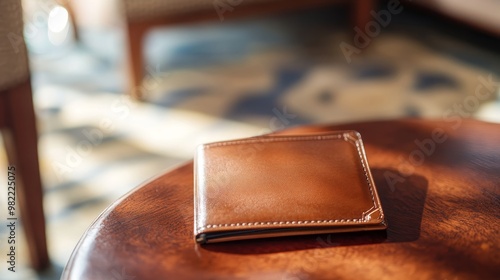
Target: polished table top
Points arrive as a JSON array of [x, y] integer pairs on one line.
[[439, 183]]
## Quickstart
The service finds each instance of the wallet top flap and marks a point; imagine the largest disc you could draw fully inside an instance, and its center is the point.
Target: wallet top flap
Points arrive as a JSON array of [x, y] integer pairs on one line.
[[288, 181]]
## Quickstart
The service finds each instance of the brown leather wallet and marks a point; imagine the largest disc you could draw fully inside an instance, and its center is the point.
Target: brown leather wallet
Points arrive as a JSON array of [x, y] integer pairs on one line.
[[273, 186]]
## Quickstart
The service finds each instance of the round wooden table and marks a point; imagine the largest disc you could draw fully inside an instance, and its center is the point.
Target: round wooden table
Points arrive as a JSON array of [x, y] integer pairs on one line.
[[439, 183]]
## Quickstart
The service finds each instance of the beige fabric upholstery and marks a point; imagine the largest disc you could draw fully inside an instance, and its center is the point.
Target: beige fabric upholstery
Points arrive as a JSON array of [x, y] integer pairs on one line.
[[147, 9], [13, 56]]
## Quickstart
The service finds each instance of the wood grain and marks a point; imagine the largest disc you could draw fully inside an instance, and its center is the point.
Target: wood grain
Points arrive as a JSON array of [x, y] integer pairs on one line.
[[21, 142], [442, 213]]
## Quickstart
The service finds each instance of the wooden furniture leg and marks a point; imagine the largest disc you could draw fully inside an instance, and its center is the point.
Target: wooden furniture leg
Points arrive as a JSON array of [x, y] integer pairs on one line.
[[136, 33], [361, 11], [21, 145]]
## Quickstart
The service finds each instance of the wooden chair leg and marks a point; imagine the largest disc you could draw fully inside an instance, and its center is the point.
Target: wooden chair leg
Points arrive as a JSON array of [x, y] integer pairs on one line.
[[21, 141], [135, 32], [361, 11]]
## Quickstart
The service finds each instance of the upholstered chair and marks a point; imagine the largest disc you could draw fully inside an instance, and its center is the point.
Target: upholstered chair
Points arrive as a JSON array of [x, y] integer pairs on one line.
[[18, 124]]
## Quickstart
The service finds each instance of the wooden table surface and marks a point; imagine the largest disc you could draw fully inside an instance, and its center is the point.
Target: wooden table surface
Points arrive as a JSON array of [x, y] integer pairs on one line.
[[439, 183]]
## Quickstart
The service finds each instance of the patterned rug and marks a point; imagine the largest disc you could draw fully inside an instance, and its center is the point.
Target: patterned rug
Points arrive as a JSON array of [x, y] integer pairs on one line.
[[218, 81]]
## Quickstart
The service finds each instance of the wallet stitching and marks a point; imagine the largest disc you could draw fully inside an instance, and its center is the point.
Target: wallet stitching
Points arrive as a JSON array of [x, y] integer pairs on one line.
[[344, 221], [280, 139], [367, 180], [302, 138]]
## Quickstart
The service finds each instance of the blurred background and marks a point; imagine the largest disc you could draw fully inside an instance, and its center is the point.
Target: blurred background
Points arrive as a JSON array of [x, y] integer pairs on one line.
[[126, 89]]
